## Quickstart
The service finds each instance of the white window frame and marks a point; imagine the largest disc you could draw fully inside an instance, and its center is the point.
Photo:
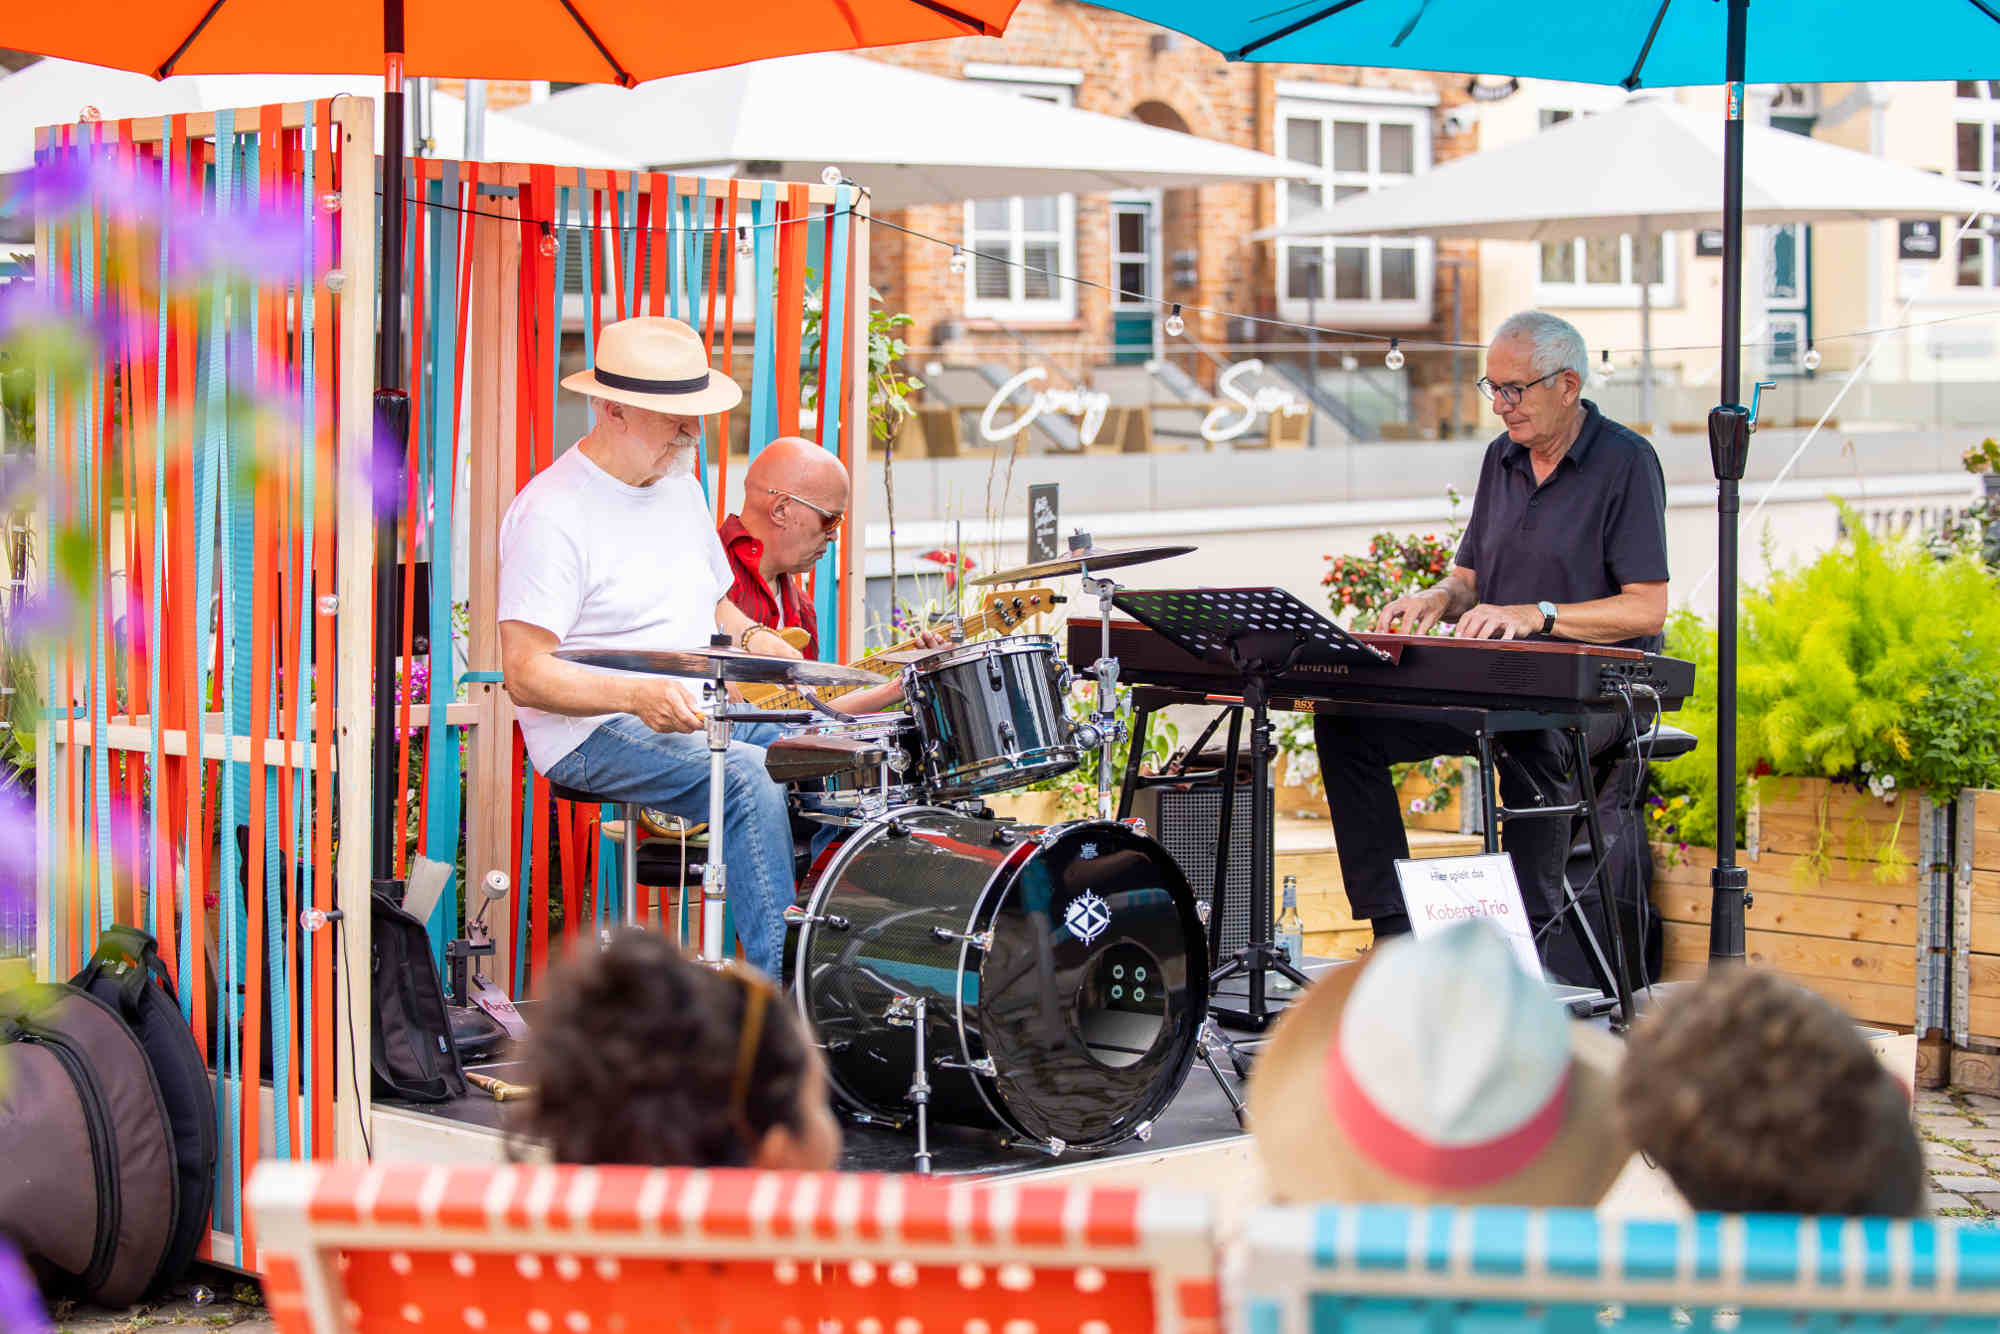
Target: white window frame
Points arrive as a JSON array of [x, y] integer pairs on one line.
[[1623, 294], [1050, 86], [1327, 104], [1982, 110]]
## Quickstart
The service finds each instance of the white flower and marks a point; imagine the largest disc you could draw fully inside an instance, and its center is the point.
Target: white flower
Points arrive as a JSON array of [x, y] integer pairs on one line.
[[1416, 806]]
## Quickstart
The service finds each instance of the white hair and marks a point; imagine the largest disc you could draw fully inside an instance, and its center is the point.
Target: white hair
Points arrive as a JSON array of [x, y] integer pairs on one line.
[[1553, 343]]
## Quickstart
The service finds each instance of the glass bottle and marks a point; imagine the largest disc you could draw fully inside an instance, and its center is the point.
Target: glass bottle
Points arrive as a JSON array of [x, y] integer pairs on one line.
[[1290, 936]]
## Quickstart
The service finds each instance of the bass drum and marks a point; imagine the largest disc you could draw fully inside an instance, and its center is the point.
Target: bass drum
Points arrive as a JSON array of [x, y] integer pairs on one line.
[[1059, 973]]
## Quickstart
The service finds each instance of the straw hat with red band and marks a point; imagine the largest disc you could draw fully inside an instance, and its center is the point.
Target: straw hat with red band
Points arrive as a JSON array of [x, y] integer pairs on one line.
[[655, 363], [1437, 1071]]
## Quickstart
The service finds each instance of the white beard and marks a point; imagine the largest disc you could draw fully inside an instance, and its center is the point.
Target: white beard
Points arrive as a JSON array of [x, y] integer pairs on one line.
[[681, 462]]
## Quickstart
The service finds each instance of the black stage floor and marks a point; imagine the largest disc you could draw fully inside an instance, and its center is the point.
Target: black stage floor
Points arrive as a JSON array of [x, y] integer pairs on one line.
[[1199, 1114]]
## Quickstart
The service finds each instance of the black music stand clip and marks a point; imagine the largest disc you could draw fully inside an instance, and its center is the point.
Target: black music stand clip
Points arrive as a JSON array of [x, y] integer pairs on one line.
[[1259, 633]]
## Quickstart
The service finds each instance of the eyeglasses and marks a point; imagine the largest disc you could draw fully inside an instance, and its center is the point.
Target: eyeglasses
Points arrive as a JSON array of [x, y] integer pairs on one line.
[[1510, 394], [829, 520]]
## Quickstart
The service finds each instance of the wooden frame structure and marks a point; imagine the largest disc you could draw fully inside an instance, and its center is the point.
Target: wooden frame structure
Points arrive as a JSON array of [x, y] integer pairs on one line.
[[205, 760]]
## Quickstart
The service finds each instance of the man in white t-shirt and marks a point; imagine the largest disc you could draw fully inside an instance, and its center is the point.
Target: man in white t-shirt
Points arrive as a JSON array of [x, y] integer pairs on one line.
[[612, 546]]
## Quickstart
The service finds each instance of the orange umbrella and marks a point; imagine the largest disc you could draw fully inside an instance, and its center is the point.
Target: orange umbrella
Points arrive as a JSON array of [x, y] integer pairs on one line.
[[582, 41]]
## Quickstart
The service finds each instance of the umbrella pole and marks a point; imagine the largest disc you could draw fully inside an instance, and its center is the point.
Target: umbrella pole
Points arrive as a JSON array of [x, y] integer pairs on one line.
[[1729, 447], [392, 433], [1645, 243]]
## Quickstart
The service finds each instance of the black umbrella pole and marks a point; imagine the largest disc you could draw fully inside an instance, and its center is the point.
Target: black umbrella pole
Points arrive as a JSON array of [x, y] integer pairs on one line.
[[1729, 450], [392, 434]]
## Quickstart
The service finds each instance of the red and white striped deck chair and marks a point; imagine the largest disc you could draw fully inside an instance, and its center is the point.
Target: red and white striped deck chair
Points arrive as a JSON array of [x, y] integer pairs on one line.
[[607, 1250]]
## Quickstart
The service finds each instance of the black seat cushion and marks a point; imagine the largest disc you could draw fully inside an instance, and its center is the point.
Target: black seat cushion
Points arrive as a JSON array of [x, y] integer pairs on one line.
[[1659, 742]]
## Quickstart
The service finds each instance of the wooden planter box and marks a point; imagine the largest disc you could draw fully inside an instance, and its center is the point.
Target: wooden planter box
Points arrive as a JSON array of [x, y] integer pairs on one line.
[[1451, 817], [1038, 808], [1817, 915], [1975, 945]]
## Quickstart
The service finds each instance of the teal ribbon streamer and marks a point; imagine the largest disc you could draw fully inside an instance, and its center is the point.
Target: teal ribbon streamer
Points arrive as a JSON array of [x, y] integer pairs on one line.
[[763, 377]]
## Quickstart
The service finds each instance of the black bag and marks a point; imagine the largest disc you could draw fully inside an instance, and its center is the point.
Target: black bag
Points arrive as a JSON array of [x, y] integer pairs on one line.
[[127, 974], [88, 1191], [412, 1054]]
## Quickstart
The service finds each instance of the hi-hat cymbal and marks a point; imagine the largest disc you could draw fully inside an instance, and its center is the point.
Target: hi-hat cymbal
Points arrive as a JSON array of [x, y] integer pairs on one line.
[[727, 664], [1079, 559]]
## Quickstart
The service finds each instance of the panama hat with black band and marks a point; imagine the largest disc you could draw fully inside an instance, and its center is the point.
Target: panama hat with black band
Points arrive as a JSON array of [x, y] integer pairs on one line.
[[655, 363]]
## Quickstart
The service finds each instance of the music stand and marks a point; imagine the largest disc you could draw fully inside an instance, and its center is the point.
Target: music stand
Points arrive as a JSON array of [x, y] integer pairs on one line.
[[1259, 633]]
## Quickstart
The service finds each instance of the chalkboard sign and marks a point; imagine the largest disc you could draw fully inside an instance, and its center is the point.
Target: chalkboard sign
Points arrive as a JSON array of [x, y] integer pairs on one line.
[[1043, 524]]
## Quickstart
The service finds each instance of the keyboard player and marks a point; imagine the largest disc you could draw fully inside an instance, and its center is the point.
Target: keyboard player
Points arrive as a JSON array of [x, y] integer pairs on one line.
[[1567, 540]]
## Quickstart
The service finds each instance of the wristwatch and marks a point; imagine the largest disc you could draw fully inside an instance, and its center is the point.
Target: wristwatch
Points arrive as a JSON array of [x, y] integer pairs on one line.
[[1548, 611]]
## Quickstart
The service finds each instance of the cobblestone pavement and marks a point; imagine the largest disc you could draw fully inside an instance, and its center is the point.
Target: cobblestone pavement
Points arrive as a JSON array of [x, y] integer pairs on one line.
[[233, 1303], [1961, 1134]]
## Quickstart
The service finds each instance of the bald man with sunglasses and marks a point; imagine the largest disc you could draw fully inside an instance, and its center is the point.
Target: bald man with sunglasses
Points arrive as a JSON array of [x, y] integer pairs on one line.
[[794, 502]]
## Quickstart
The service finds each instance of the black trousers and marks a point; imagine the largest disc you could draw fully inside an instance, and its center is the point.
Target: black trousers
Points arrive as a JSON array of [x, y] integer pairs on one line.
[[1535, 769]]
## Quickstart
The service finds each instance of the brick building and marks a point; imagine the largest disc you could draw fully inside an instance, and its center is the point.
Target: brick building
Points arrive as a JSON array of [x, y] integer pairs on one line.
[[1358, 128]]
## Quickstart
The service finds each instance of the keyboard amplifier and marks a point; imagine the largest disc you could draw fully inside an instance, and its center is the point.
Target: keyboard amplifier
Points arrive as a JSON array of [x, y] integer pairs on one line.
[[1184, 821]]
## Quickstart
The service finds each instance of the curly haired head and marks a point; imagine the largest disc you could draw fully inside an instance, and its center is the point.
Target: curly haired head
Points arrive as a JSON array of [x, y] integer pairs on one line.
[[640, 1055], [1757, 1096]]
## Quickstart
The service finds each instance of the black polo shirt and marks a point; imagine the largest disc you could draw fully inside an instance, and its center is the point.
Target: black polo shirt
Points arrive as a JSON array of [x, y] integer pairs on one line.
[[1598, 523]]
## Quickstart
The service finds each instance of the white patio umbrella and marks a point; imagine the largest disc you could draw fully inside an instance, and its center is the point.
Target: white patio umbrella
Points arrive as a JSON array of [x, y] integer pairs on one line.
[[909, 137], [52, 91], [1649, 166]]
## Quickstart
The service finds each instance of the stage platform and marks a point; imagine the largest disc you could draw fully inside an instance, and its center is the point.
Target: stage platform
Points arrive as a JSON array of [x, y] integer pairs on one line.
[[1195, 1142]]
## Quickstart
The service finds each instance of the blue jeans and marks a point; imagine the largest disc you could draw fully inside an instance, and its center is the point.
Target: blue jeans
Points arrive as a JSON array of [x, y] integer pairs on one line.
[[625, 760]]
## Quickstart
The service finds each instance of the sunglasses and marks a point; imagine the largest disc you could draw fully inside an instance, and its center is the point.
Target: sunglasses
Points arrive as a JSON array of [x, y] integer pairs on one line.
[[829, 520]]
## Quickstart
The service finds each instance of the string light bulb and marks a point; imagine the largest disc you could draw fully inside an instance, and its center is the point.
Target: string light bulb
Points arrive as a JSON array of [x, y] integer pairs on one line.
[[743, 246], [1176, 326], [330, 202], [547, 245], [1811, 359], [831, 175], [89, 114], [1394, 360], [335, 280], [960, 261], [1604, 366]]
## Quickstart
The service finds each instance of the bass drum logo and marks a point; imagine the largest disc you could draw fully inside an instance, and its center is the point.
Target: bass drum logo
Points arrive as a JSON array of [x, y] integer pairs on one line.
[[1087, 917]]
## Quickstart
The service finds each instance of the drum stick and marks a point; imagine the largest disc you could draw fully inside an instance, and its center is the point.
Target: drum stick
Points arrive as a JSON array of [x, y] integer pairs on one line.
[[501, 1090]]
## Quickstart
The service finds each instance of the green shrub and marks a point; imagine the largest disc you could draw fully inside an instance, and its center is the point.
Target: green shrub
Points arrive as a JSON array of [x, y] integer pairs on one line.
[[1878, 664]]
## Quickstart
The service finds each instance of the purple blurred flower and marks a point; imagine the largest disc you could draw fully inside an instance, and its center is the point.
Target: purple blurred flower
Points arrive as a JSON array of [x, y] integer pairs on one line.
[[384, 470], [258, 242], [17, 853], [32, 327], [50, 616], [94, 178]]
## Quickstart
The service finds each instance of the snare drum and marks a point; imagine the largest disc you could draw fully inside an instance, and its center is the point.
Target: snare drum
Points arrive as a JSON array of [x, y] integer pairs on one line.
[[991, 716], [855, 795]]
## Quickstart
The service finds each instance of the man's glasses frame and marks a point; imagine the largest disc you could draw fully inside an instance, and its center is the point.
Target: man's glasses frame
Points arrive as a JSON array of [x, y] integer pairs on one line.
[[829, 520], [1510, 394]]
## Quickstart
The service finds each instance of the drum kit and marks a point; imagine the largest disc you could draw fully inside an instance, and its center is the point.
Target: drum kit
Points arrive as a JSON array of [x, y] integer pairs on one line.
[[1045, 982]]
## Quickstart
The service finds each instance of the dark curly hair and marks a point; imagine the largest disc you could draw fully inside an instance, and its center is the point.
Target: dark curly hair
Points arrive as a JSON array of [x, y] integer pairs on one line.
[[1757, 1096], [634, 1058]]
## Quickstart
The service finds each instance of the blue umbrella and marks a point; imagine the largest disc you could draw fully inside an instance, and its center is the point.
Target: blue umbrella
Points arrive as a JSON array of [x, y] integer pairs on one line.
[[1636, 43]]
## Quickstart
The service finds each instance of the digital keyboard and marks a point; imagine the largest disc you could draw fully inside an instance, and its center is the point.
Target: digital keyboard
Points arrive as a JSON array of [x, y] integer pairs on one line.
[[1420, 670]]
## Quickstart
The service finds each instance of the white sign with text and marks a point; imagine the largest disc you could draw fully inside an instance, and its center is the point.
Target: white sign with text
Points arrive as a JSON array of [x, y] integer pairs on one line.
[[1230, 419], [1442, 891]]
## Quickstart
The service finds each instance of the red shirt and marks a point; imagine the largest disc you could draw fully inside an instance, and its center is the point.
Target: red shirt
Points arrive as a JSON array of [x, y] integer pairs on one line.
[[753, 597]]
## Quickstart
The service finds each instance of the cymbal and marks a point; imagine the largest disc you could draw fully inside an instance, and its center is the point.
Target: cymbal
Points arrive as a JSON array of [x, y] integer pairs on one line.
[[1096, 558], [727, 664]]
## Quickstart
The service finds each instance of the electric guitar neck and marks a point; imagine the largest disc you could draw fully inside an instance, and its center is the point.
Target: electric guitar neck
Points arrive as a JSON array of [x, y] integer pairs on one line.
[[1002, 613]]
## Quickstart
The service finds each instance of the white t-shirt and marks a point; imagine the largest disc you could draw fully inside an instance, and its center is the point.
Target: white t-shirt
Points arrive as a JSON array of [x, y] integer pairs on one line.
[[601, 564]]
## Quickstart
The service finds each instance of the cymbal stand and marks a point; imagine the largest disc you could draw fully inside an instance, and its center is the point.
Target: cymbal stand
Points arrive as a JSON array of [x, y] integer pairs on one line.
[[1105, 721], [715, 875]]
